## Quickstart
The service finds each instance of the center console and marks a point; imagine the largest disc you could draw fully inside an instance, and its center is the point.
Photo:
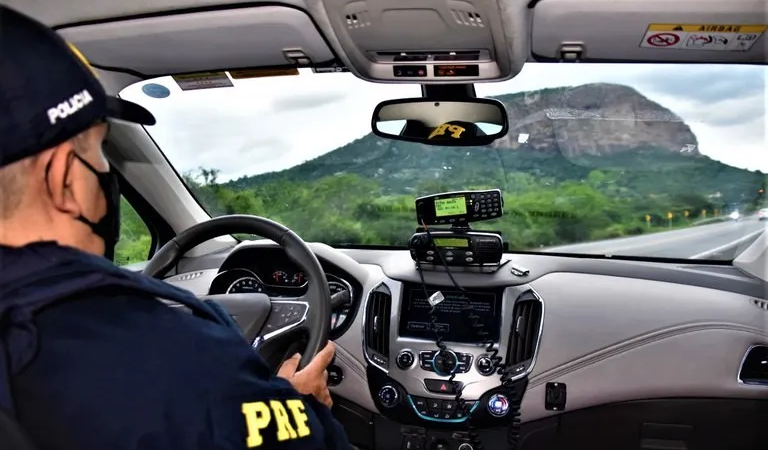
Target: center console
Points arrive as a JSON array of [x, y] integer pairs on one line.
[[408, 374]]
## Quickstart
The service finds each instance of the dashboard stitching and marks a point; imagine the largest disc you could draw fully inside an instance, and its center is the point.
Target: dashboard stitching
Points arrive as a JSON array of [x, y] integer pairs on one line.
[[633, 343], [350, 361]]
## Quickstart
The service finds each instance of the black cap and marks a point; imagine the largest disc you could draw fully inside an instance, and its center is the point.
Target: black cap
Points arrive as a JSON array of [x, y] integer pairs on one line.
[[48, 91]]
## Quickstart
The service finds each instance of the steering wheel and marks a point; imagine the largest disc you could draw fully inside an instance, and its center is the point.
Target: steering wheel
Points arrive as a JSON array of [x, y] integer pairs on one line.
[[261, 317]]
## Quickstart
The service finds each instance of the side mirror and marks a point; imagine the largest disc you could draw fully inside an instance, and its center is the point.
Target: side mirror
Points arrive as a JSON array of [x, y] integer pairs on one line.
[[471, 122]]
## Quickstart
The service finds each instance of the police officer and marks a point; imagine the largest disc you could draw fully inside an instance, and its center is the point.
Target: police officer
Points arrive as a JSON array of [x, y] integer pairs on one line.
[[89, 357]]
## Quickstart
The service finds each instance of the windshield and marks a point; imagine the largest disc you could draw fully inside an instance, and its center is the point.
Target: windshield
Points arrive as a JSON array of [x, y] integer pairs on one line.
[[623, 159]]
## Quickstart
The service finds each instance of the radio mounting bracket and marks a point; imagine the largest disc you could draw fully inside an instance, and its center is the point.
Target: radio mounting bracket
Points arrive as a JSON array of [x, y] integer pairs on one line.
[[466, 228]]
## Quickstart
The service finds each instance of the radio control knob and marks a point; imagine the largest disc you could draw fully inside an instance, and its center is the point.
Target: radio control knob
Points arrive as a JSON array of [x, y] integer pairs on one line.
[[405, 359], [465, 446], [388, 396], [445, 362], [485, 366]]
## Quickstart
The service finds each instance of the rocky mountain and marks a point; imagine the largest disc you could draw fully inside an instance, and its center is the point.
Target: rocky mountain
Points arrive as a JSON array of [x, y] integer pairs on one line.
[[594, 119], [555, 134]]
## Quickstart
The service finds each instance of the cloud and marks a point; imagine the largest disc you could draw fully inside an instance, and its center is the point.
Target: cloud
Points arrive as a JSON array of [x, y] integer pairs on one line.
[[269, 124], [705, 84], [307, 101]]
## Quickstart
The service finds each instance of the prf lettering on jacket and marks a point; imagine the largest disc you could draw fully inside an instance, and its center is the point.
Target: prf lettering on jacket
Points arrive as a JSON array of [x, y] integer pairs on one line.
[[258, 416]]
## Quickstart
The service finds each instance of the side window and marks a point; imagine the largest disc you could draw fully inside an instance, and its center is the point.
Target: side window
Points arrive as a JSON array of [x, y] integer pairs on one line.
[[135, 239]]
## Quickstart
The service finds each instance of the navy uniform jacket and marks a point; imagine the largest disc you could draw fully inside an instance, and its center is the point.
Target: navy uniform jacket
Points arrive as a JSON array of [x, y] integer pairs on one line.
[[96, 362]]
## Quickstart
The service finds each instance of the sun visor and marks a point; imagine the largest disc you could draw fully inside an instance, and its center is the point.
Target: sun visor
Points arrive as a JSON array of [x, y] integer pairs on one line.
[[709, 31], [435, 41], [202, 41]]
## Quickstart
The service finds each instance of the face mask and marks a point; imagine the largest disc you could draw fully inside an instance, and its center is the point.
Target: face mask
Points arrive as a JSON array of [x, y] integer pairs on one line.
[[108, 227]]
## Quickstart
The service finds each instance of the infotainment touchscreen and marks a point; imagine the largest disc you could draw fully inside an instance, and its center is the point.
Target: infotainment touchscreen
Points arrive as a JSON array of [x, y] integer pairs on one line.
[[451, 315]]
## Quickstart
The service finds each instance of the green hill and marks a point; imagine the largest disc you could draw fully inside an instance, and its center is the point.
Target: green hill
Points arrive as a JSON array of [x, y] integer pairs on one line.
[[572, 131]]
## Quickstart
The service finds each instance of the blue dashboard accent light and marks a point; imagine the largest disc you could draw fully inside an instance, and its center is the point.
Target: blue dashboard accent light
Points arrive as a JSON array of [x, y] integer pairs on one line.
[[432, 419]]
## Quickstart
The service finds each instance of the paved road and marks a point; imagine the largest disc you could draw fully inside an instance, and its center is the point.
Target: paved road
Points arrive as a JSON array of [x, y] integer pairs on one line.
[[719, 241]]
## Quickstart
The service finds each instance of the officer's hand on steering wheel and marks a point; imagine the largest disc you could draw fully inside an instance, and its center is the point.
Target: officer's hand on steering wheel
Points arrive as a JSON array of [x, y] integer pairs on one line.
[[313, 379]]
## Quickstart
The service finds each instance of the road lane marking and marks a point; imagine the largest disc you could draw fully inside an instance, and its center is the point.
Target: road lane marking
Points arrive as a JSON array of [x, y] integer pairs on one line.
[[648, 240], [728, 245]]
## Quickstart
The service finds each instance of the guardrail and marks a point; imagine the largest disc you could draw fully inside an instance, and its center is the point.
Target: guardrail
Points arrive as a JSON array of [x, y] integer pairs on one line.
[[710, 220]]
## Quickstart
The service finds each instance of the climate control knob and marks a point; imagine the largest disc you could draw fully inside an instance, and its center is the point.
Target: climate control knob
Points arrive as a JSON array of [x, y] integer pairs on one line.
[[445, 362], [389, 396]]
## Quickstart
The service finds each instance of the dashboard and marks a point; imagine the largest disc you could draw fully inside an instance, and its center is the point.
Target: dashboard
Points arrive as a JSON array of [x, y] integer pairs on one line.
[[656, 351]]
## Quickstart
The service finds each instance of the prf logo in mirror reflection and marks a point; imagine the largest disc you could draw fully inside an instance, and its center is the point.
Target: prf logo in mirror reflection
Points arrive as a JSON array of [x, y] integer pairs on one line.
[[454, 131]]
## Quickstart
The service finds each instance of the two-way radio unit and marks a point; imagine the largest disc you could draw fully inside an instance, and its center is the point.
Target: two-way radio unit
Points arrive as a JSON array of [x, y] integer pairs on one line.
[[457, 248], [458, 245]]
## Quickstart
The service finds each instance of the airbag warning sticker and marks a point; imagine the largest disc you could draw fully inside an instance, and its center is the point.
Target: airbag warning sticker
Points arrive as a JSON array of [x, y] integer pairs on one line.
[[735, 38]]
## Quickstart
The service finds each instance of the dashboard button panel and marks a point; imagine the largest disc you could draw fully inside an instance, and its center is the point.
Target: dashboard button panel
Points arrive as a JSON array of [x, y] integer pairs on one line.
[[462, 362], [445, 362], [442, 410]]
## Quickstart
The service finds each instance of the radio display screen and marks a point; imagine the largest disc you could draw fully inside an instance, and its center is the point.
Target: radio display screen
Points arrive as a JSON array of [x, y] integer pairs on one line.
[[451, 242], [451, 206], [451, 315]]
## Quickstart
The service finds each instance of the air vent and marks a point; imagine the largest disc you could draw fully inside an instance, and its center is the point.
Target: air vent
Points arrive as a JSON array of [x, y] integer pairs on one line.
[[526, 328], [754, 366], [762, 304], [187, 276], [377, 317], [358, 20], [467, 18]]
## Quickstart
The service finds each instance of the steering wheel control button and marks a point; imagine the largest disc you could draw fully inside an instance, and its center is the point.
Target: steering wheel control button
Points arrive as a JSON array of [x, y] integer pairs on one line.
[[405, 359], [485, 366], [440, 386], [445, 362], [498, 405], [335, 375], [388, 396], [283, 315], [425, 360]]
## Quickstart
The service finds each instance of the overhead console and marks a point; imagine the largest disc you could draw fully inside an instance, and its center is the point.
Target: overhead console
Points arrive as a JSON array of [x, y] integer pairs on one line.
[[443, 41]]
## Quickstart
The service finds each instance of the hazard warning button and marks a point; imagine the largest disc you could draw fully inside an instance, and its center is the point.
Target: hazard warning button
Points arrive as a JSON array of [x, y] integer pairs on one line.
[[440, 386]]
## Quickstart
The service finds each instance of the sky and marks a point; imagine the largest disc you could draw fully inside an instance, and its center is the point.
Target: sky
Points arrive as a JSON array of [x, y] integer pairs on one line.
[[273, 123]]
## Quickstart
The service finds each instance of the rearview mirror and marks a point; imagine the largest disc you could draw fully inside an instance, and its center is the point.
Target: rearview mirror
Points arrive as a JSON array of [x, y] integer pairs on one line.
[[470, 122]]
